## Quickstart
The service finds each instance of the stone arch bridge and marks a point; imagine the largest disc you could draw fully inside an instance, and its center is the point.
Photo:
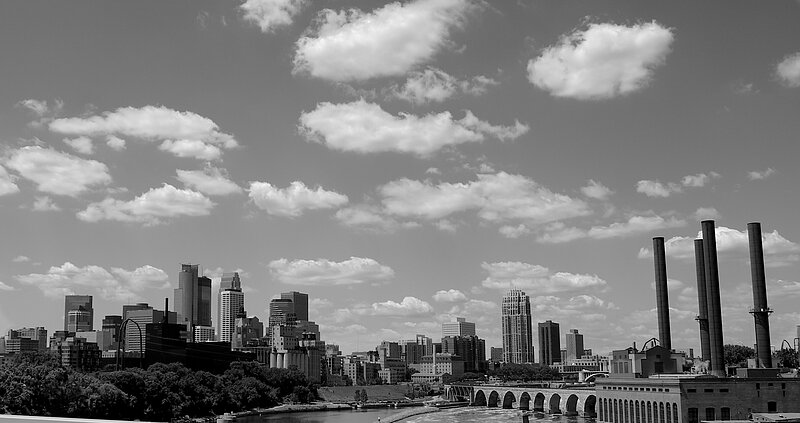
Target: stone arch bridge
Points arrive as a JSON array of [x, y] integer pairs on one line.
[[566, 401]]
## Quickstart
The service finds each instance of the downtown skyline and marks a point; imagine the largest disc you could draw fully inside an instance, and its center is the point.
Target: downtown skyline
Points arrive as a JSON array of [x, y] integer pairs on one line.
[[409, 189]]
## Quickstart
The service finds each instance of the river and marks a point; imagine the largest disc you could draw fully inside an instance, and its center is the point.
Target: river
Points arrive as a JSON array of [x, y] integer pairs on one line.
[[464, 414]]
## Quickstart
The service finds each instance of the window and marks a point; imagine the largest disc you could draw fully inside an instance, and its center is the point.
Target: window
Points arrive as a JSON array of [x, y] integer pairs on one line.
[[661, 412], [693, 415], [631, 411], [772, 407], [708, 390], [725, 413], [723, 389], [710, 413], [636, 413], [666, 389], [691, 390], [669, 414], [783, 386], [674, 413], [649, 412], [758, 386], [769, 384]]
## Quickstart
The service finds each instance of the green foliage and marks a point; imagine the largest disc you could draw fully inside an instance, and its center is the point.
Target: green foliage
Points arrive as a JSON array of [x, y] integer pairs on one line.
[[737, 355], [469, 377], [525, 372], [787, 358], [37, 384]]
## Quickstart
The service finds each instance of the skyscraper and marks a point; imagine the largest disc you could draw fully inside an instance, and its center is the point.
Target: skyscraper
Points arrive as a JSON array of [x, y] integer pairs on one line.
[[549, 343], [516, 327], [300, 303], [230, 301], [461, 327], [281, 311], [193, 298], [574, 345], [78, 313]]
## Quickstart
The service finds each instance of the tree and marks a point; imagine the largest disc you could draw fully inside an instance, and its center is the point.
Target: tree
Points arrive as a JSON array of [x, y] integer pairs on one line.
[[737, 355], [357, 395], [364, 396], [787, 358]]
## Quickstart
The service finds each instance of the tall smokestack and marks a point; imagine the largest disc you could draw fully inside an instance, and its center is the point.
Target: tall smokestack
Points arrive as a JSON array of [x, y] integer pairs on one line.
[[702, 300], [712, 291], [760, 310], [662, 293]]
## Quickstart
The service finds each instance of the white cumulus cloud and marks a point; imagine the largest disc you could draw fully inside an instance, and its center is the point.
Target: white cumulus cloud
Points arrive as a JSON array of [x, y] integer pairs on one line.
[[350, 45], [82, 145], [366, 128], [117, 284], [293, 200], [324, 272], [756, 175], [43, 204], [151, 208], [5, 287], [209, 181], [115, 142], [271, 14], [657, 189], [7, 185], [408, 307], [57, 173], [603, 61], [505, 275], [436, 85], [184, 134], [596, 190], [788, 70], [449, 296]]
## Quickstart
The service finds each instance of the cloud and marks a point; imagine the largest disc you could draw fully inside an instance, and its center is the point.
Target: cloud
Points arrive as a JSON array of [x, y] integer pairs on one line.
[[602, 61], [730, 243], [495, 197], [354, 45], [42, 110], [115, 143], [150, 208], [698, 180], [209, 181], [370, 218], [704, 213], [514, 274], [366, 128], [118, 284], [57, 173], [7, 185], [656, 188], [293, 200], [633, 226], [323, 272], [436, 85], [271, 14], [184, 134], [758, 175], [596, 190], [788, 70], [43, 204], [82, 145], [21, 259], [409, 307], [4, 287], [510, 231], [449, 296]]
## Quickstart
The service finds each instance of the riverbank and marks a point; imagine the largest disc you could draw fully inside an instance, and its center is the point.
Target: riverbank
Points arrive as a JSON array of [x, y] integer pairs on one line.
[[408, 413]]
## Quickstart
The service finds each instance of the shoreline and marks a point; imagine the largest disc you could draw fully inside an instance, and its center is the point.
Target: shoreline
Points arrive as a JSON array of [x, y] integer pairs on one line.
[[408, 413], [324, 406]]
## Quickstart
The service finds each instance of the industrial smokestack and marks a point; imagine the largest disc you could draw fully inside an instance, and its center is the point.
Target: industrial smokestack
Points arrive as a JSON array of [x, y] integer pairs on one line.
[[760, 310], [662, 293], [702, 300], [717, 362]]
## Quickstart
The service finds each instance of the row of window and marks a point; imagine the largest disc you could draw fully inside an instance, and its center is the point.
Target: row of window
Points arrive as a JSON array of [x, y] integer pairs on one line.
[[711, 414], [706, 390], [633, 388], [614, 410]]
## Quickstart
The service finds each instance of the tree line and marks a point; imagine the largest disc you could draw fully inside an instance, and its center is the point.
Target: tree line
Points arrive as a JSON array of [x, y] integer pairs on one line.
[[37, 384]]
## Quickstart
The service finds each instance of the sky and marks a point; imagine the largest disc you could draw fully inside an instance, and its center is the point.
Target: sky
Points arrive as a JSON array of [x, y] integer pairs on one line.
[[403, 163]]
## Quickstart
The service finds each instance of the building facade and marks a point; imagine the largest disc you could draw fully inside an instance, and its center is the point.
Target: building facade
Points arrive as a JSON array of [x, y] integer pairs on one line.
[[193, 298], [299, 303], [549, 343], [471, 349], [461, 327], [78, 313], [516, 328], [230, 303], [574, 341]]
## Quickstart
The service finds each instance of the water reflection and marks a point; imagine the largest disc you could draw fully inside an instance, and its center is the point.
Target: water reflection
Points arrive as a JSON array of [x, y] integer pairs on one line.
[[466, 414]]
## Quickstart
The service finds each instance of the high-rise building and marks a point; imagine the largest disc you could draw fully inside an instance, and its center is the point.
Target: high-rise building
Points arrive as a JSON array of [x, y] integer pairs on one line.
[[281, 311], [461, 327], [230, 301], [516, 328], [300, 303], [549, 343], [471, 350], [193, 298], [131, 307], [143, 318], [111, 324], [496, 354], [574, 345], [82, 318]]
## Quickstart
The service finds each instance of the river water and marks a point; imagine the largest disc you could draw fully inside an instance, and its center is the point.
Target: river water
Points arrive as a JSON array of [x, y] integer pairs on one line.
[[464, 414]]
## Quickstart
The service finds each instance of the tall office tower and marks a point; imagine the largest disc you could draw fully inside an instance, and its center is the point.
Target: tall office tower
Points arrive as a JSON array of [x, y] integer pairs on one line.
[[83, 318], [230, 300], [461, 327], [516, 327], [111, 324], [193, 298], [131, 307], [574, 345], [281, 311], [471, 350], [143, 318], [496, 354], [549, 343], [300, 301]]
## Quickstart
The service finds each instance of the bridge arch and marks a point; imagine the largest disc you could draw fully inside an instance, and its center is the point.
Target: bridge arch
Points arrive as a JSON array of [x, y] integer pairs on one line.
[[590, 406], [509, 400], [555, 404], [525, 401], [538, 402], [494, 398], [572, 406], [480, 398]]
